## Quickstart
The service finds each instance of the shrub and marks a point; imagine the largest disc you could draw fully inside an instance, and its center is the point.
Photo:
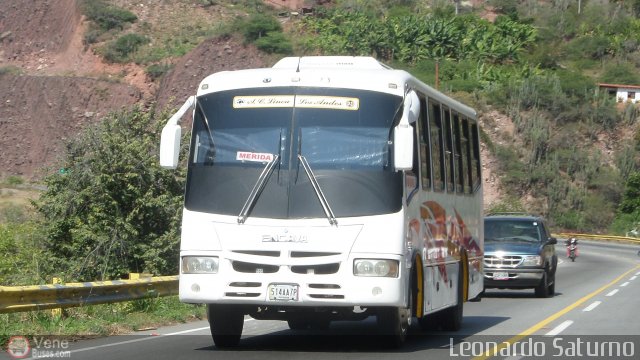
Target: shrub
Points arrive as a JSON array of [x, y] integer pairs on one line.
[[115, 210], [13, 70], [156, 71], [508, 204], [620, 73], [514, 174], [107, 16], [259, 25], [569, 219], [23, 261], [274, 42], [120, 50], [576, 84], [593, 47], [15, 180]]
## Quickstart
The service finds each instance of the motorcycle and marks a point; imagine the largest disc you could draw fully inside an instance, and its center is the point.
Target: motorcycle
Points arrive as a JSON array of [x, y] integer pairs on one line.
[[572, 249]]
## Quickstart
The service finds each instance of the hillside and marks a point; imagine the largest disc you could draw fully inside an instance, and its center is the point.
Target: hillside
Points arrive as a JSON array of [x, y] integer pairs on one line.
[[52, 85], [560, 150]]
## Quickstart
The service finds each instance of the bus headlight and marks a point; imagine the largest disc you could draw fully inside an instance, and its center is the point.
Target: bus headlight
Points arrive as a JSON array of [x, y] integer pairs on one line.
[[375, 267], [532, 261], [199, 265]]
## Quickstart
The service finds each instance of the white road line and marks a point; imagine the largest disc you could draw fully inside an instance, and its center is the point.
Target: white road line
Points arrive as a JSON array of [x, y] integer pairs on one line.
[[624, 284], [560, 328], [638, 273], [185, 331], [592, 306], [612, 292], [633, 277], [150, 337]]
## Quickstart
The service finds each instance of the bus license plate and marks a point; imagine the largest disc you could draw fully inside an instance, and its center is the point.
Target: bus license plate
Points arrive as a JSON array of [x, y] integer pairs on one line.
[[285, 292], [500, 276]]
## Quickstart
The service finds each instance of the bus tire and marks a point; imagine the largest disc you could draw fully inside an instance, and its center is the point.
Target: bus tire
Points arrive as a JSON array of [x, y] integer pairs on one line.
[[226, 323], [451, 318], [393, 325], [429, 322], [394, 322]]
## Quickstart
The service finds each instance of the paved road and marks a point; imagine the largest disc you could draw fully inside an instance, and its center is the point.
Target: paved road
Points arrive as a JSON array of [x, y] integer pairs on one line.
[[596, 295]]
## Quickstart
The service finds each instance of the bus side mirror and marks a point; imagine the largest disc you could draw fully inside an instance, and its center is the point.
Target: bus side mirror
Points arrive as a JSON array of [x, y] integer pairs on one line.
[[403, 147], [170, 146], [170, 138], [403, 133]]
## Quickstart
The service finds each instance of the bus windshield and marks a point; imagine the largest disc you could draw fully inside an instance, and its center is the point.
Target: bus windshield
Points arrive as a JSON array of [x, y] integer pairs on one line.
[[343, 134]]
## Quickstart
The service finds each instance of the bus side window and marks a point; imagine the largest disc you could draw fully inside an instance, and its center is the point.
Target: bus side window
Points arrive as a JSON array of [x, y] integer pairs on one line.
[[437, 147], [475, 158], [466, 156], [425, 151], [459, 155], [448, 150]]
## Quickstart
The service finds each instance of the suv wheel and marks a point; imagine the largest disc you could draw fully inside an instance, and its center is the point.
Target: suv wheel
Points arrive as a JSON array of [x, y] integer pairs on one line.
[[552, 286], [542, 290]]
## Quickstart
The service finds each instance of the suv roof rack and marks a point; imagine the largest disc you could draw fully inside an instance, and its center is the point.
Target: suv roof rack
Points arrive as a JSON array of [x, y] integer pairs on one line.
[[511, 213]]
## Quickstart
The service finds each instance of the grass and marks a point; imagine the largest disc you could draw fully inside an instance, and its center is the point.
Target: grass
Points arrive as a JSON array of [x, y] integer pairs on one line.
[[101, 320]]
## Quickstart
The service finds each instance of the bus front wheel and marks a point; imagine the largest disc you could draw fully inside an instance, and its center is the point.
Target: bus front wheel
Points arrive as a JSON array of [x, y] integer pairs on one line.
[[226, 323], [394, 323]]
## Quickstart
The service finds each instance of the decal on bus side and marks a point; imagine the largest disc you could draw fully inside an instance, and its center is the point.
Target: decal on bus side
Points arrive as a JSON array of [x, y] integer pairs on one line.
[[443, 235]]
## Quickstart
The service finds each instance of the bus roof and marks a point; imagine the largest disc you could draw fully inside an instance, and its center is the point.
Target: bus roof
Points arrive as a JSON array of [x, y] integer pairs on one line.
[[348, 72], [330, 62]]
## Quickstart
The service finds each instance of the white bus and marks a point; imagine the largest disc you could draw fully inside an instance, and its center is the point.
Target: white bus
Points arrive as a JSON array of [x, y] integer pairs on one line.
[[328, 188]]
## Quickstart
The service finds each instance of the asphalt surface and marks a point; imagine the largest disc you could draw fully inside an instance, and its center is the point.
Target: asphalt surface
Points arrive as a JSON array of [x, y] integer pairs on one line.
[[595, 309]]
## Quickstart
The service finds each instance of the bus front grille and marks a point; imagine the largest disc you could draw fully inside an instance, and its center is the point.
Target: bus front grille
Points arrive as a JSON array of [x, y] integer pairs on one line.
[[323, 269], [245, 267]]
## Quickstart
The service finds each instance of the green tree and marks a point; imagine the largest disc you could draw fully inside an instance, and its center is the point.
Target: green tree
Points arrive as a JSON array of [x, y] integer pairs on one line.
[[631, 197], [113, 210], [258, 25]]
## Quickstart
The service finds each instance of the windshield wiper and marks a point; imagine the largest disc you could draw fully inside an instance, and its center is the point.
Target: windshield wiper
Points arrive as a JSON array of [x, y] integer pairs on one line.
[[314, 182], [257, 189]]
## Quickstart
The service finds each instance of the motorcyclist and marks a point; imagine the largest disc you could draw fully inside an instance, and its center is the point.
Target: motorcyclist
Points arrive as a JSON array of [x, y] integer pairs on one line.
[[569, 242]]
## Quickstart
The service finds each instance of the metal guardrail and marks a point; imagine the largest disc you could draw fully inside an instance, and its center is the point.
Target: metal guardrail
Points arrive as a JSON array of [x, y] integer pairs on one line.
[[40, 297], [56, 296], [598, 237]]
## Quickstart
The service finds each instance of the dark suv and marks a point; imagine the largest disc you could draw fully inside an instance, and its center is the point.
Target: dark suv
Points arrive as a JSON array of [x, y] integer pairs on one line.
[[519, 253]]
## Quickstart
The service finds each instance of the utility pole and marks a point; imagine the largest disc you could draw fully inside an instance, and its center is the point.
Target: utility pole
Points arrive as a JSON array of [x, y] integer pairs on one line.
[[437, 74], [579, 6]]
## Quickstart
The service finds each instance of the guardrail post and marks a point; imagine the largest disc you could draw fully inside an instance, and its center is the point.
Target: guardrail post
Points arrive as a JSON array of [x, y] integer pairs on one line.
[[57, 312]]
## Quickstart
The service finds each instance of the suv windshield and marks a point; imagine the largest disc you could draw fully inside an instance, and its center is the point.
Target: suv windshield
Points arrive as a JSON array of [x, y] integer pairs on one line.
[[343, 134], [511, 230]]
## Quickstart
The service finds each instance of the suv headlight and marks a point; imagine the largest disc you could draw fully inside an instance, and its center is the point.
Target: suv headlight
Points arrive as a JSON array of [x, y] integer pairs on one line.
[[200, 264], [532, 260], [375, 267]]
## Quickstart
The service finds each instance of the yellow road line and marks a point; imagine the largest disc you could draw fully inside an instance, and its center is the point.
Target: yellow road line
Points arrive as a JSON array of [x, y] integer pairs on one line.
[[530, 331]]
